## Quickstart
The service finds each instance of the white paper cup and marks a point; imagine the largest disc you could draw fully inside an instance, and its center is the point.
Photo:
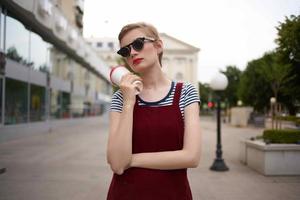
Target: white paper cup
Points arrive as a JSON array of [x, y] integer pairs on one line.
[[118, 72]]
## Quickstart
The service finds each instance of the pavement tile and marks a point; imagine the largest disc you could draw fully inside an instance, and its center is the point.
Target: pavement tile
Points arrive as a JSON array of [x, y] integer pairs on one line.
[[70, 164]]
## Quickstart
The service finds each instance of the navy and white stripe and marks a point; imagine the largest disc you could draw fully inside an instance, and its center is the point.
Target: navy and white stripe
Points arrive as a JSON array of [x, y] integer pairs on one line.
[[188, 96]]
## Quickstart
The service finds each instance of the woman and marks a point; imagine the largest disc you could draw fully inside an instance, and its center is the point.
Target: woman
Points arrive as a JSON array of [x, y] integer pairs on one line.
[[154, 136]]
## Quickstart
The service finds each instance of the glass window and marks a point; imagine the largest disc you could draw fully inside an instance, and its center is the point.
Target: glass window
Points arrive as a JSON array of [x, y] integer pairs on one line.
[[60, 104], [2, 63], [99, 44], [60, 64], [65, 106], [37, 103], [17, 41], [39, 52], [1, 96], [16, 101], [111, 45], [1, 28]]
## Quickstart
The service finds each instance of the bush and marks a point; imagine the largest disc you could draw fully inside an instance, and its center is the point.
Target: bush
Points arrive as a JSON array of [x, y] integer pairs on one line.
[[294, 119], [286, 136]]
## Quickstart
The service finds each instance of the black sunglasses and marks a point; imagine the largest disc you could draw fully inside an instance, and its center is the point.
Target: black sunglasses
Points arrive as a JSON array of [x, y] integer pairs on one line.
[[137, 45]]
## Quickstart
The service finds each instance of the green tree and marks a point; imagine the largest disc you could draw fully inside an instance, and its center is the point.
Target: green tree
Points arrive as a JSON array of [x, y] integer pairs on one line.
[[204, 92], [230, 94], [289, 39], [289, 53], [263, 78], [275, 72], [254, 89]]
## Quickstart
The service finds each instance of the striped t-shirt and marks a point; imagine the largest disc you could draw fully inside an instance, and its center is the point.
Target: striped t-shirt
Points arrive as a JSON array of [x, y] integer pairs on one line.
[[188, 96]]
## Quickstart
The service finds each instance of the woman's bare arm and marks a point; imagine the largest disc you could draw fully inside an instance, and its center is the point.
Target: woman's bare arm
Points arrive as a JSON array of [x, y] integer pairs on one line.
[[119, 148]]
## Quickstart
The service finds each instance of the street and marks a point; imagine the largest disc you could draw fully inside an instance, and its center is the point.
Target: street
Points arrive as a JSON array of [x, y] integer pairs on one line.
[[70, 164]]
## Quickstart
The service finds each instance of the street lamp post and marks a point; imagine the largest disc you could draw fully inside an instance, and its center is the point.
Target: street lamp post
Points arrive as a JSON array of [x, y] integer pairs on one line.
[[273, 108], [218, 83]]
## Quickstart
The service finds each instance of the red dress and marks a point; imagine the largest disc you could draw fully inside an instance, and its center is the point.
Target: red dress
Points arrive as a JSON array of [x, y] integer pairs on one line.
[[155, 129]]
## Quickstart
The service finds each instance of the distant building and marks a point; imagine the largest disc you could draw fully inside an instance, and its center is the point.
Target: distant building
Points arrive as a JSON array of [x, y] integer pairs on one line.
[[106, 48], [180, 60], [47, 70]]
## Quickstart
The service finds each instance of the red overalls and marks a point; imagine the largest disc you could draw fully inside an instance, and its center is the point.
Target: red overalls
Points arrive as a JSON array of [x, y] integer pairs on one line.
[[155, 129]]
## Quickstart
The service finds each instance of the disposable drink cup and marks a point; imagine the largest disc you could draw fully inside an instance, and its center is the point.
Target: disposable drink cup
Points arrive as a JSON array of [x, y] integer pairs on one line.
[[118, 72]]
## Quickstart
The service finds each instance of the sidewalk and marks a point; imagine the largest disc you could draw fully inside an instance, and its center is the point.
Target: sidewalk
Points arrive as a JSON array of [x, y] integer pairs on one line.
[[70, 164]]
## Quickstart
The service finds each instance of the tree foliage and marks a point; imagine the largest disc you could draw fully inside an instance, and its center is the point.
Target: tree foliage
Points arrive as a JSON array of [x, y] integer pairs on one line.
[[289, 53], [204, 92], [289, 39], [276, 73], [233, 75], [254, 89]]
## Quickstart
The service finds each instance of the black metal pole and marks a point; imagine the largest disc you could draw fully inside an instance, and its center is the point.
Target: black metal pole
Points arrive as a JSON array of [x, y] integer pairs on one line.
[[219, 164]]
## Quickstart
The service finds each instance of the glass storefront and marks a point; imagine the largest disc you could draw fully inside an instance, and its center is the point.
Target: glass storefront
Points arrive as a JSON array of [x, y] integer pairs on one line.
[[39, 53], [1, 98], [65, 104], [22, 102], [16, 101], [37, 103], [17, 42], [60, 104], [1, 29], [26, 47]]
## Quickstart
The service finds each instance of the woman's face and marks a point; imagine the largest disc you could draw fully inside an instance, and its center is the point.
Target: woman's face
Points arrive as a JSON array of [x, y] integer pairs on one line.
[[140, 60]]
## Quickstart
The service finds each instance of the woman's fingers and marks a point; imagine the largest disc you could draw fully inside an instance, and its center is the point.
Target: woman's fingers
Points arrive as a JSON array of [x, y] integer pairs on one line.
[[128, 87], [130, 78]]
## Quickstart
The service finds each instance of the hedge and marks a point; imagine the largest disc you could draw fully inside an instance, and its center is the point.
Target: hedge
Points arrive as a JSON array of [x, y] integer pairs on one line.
[[284, 136], [294, 119]]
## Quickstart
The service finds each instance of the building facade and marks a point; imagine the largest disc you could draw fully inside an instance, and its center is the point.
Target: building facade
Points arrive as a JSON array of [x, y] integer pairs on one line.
[[180, 60], [106, 48], [47, 70]]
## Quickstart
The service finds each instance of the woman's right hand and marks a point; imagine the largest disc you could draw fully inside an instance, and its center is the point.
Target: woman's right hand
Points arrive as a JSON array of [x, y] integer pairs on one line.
[[128, 89]]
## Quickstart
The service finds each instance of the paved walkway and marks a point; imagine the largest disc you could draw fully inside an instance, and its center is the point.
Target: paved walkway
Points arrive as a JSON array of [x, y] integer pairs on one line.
[[70, 164]]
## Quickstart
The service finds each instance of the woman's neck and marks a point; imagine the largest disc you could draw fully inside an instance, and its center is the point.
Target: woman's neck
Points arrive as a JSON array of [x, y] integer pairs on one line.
[[155, 78]]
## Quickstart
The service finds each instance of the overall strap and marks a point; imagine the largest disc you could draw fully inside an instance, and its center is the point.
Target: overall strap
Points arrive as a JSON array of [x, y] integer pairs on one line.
[[177, 94]]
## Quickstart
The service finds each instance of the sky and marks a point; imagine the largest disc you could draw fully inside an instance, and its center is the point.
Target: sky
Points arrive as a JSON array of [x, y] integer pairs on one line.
[[228, 32]]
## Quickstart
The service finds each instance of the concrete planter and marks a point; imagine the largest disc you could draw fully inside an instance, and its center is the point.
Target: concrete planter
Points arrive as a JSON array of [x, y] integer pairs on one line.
[[271, 159]]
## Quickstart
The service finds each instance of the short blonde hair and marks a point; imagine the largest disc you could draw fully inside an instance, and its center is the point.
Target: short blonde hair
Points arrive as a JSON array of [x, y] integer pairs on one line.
[[148, 29]]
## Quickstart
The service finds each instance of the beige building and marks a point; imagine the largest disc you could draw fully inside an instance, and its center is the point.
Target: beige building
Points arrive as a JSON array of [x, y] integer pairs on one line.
[[180, 60], [106, 48], [73, 10]]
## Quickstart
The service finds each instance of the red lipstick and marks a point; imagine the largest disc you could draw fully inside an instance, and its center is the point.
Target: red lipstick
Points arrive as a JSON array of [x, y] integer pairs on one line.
[[137, 61]]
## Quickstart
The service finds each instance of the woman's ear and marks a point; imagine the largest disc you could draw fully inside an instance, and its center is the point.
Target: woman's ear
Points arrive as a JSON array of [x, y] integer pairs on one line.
[[159, 46]]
